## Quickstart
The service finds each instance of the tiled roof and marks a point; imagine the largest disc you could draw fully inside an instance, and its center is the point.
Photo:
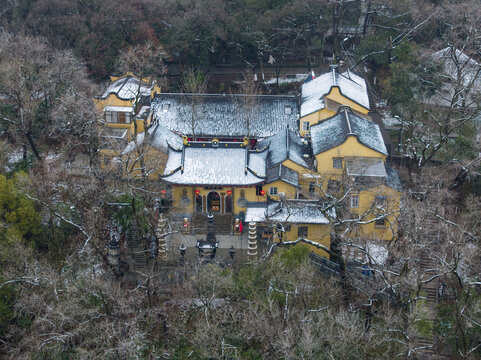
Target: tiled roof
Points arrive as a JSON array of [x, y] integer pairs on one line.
[[334, 131], [160, 138], [392, 179], [225, 115], [280, 172], [457, 69], [215, 166], [389, 179], [294, 212], [351, 85], [127, 88], [285, 145], [362, 166]]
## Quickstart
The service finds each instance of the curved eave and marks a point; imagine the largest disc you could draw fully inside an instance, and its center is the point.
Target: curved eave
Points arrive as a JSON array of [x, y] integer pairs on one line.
[[295, 162], [255, 174], [283, 180], [347, 137], [165, 178], [172, 172], [118, 97], [340, 91]]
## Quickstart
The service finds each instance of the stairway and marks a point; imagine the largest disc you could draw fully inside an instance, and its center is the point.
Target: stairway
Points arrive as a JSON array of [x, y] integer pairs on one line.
[[138, 254], [223, 224], [428, 267]]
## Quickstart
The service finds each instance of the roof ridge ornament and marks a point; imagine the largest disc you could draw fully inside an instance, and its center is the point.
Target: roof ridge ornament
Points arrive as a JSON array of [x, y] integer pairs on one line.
[[334, 68], [346, 113], [287, 143]]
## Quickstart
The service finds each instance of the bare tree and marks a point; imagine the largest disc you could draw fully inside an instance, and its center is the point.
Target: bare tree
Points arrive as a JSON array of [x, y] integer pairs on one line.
[[194, 84], [34, 81]]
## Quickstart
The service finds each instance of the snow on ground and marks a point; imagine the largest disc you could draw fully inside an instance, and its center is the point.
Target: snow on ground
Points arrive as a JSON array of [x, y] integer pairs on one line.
[[15, 156], [378, 253], [287, 80]]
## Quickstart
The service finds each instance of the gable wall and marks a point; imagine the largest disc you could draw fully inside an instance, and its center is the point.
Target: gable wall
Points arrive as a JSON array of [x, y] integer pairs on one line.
[[282, 187], [350, 147], [367, 205], [332, 101]]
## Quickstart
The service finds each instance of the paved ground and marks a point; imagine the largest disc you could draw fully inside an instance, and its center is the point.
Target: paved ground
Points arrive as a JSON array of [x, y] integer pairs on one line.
[[225, 242]]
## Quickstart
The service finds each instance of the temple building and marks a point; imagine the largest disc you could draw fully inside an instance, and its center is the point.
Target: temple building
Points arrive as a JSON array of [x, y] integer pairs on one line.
[[125, 111], [272, 160], [322, 97]]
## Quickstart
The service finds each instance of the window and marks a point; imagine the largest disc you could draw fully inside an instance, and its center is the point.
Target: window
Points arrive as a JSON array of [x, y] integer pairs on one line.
[[312, 188], [302, 231], [305, 126], [288, 110], [380, 223], [354, 201], [272, 191], [117, 117], [337, 163]]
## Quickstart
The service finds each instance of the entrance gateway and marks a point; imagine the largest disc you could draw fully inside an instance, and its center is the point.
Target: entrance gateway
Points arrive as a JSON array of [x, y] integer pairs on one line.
[[213, 202]]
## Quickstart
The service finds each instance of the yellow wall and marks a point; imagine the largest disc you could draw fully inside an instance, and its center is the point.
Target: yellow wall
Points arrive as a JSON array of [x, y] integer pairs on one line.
[[332, 101], [314, 118], [368, 210], [282, 187], [338, 99], [249, 194], [350, 148], [303, 181], [319, 233], [111, 100]]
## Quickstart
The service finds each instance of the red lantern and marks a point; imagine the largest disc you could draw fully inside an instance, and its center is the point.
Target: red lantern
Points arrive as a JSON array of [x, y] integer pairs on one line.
[[163, 192], [197, 192], [263, 192], [229, 192]]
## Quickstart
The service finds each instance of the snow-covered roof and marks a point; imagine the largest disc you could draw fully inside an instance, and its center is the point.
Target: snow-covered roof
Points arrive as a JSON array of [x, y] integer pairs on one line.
[[392, 179], [225, 115], [256, 213], [390, 121], [294, 212], [334, 131], [143, 112], [160, 138], [351, 85], [280, 172], [362, 166], [127, 88], [457, 68], [114, 133], [118, 108], [198, 165], [285, 145]]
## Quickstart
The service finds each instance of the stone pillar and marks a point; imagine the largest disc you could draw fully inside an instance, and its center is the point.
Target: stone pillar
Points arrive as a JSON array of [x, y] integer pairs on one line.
[[161, 235], [113, 252], [252, 241]]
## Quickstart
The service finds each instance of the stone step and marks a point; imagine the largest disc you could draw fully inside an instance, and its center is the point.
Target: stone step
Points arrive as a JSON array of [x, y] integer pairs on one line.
[[139, 260], [223, 224], [431, 294]]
